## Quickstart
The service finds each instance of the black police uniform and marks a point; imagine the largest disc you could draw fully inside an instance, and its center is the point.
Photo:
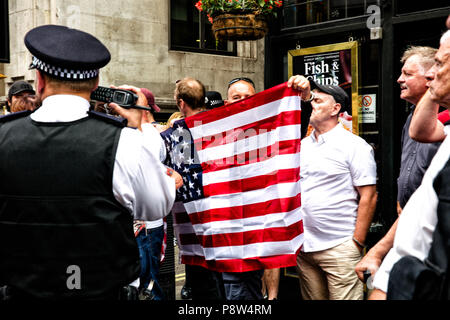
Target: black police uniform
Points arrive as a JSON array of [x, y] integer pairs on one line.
[[57, 208]]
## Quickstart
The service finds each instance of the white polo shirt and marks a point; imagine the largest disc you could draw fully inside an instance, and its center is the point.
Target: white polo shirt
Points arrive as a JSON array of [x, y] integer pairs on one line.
[[418, 220], [330, 169]]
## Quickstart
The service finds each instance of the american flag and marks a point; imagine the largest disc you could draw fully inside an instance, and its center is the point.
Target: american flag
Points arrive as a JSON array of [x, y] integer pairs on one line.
[[239, 208]]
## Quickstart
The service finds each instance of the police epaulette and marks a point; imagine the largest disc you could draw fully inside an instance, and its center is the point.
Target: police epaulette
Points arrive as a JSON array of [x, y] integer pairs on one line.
[[121, 122], [15, 115]]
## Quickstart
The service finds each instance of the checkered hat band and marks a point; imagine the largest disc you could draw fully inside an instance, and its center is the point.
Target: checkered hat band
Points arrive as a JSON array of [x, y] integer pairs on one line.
[[64, 73]]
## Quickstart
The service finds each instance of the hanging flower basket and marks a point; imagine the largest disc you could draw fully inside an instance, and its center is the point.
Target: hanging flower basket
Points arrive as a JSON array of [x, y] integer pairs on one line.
[[239, 26], [238, 20]]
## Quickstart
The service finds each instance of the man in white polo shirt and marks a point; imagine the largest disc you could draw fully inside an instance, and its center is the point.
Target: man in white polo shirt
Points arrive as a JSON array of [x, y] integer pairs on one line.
[[338, 177]]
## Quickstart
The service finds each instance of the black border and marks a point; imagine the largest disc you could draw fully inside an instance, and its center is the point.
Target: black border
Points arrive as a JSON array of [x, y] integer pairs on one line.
[[4, 27]]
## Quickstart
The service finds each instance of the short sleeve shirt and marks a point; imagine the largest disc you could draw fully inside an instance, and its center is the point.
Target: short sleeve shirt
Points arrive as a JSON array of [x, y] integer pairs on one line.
[[331, 168], [416, 158]]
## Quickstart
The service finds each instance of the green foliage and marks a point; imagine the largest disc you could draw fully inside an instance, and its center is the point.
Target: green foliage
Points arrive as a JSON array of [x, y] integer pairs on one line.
[[215, 7]]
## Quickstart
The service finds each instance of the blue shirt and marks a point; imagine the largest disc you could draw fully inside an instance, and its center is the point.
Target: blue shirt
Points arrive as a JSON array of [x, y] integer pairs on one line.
[[416, 158]]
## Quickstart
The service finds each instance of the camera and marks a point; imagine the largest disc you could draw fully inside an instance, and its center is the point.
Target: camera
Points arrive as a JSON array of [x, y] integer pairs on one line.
[[124, 98]]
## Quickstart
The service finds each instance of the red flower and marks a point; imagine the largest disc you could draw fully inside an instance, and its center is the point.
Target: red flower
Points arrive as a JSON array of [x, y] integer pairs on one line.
[[198, 5]]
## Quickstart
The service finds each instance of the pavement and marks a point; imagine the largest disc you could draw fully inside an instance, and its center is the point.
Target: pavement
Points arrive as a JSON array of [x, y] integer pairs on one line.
[[180, 275]]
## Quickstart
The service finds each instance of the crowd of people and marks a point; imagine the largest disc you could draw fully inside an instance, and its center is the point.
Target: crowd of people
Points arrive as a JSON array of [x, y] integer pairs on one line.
[[91, 185]]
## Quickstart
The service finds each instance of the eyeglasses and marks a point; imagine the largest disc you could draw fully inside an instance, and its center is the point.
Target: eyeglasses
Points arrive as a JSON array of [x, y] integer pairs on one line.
[[241, 79]]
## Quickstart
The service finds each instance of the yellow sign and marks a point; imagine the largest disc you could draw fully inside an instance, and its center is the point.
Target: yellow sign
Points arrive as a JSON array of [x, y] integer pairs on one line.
[[333, 64]]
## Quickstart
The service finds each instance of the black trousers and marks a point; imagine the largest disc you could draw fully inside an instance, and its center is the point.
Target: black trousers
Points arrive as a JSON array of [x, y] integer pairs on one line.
[[205, 284]]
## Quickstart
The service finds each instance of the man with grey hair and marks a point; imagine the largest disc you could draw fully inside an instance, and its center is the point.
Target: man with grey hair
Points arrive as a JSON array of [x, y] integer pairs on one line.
[[416, 156], [416, 225]]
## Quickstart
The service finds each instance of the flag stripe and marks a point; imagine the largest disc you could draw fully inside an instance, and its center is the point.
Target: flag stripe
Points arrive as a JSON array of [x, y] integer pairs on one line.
[[283, 233], [252, 156], [242, 265], [265, 249], [253, 102], [181, 217], [260, 141], [242, 132], [285, 190], [273, 220], [189, 239], [244, 117], [279, 162], [253, 183], [246, 211]]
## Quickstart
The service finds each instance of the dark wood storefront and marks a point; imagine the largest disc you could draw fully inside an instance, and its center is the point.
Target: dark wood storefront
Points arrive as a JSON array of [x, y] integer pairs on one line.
[[305, 24]]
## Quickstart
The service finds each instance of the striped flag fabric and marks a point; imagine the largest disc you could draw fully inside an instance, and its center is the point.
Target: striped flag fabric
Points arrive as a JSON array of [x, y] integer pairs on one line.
[[239, 207]]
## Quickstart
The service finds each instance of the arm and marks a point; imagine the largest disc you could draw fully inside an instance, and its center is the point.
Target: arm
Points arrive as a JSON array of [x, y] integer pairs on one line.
[[425, 126], [366, 210], [141, 183], [372, 260], [301, 84], [377, 294]]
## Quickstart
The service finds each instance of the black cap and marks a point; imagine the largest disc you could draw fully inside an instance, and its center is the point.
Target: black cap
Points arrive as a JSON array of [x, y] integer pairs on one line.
[[213, 99], [18, 87], [66, 53], [339, 95]]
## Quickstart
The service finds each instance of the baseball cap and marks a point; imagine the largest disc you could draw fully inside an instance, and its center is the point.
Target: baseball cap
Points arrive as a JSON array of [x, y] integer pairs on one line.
[[213, 99], [150, 99], [339, 95], [18, 87]]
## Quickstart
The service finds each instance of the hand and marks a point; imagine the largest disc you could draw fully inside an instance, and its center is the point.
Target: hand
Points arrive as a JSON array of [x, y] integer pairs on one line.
[[175, 175], [301, 84], [369, 262], [134, 116], [377, 294]]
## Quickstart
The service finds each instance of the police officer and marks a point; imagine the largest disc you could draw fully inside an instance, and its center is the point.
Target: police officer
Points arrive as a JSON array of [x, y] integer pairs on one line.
[[72, 181]]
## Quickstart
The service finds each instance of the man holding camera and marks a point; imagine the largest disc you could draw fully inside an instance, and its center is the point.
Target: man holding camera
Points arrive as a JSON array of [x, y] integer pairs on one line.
[[73, 181]]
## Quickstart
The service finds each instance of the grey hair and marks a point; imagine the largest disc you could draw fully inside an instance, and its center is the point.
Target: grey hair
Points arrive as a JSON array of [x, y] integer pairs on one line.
[[425, 54], [445, 36]]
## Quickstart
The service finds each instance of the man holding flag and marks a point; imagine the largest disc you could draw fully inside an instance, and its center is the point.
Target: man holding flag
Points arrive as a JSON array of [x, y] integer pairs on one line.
[[241, 168], [338, 179]]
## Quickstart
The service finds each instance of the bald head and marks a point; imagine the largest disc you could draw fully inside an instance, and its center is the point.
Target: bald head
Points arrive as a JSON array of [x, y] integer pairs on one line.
[[239, 90], [439, 74]]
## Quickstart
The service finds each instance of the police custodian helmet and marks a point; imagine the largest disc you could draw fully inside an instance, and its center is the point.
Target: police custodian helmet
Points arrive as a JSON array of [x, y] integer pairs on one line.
[[66, 53]]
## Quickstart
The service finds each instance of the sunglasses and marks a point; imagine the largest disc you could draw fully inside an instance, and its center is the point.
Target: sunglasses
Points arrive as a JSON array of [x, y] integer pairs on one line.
[[241, 79]]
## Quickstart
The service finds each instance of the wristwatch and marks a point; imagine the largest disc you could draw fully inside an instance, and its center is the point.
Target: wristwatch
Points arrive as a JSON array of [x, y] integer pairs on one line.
[[311, 98], [362, 246]]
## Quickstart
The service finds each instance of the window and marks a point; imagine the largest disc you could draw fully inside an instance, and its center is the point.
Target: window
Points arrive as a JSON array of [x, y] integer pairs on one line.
[[404, 6], [190, 30], [303, 12]]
